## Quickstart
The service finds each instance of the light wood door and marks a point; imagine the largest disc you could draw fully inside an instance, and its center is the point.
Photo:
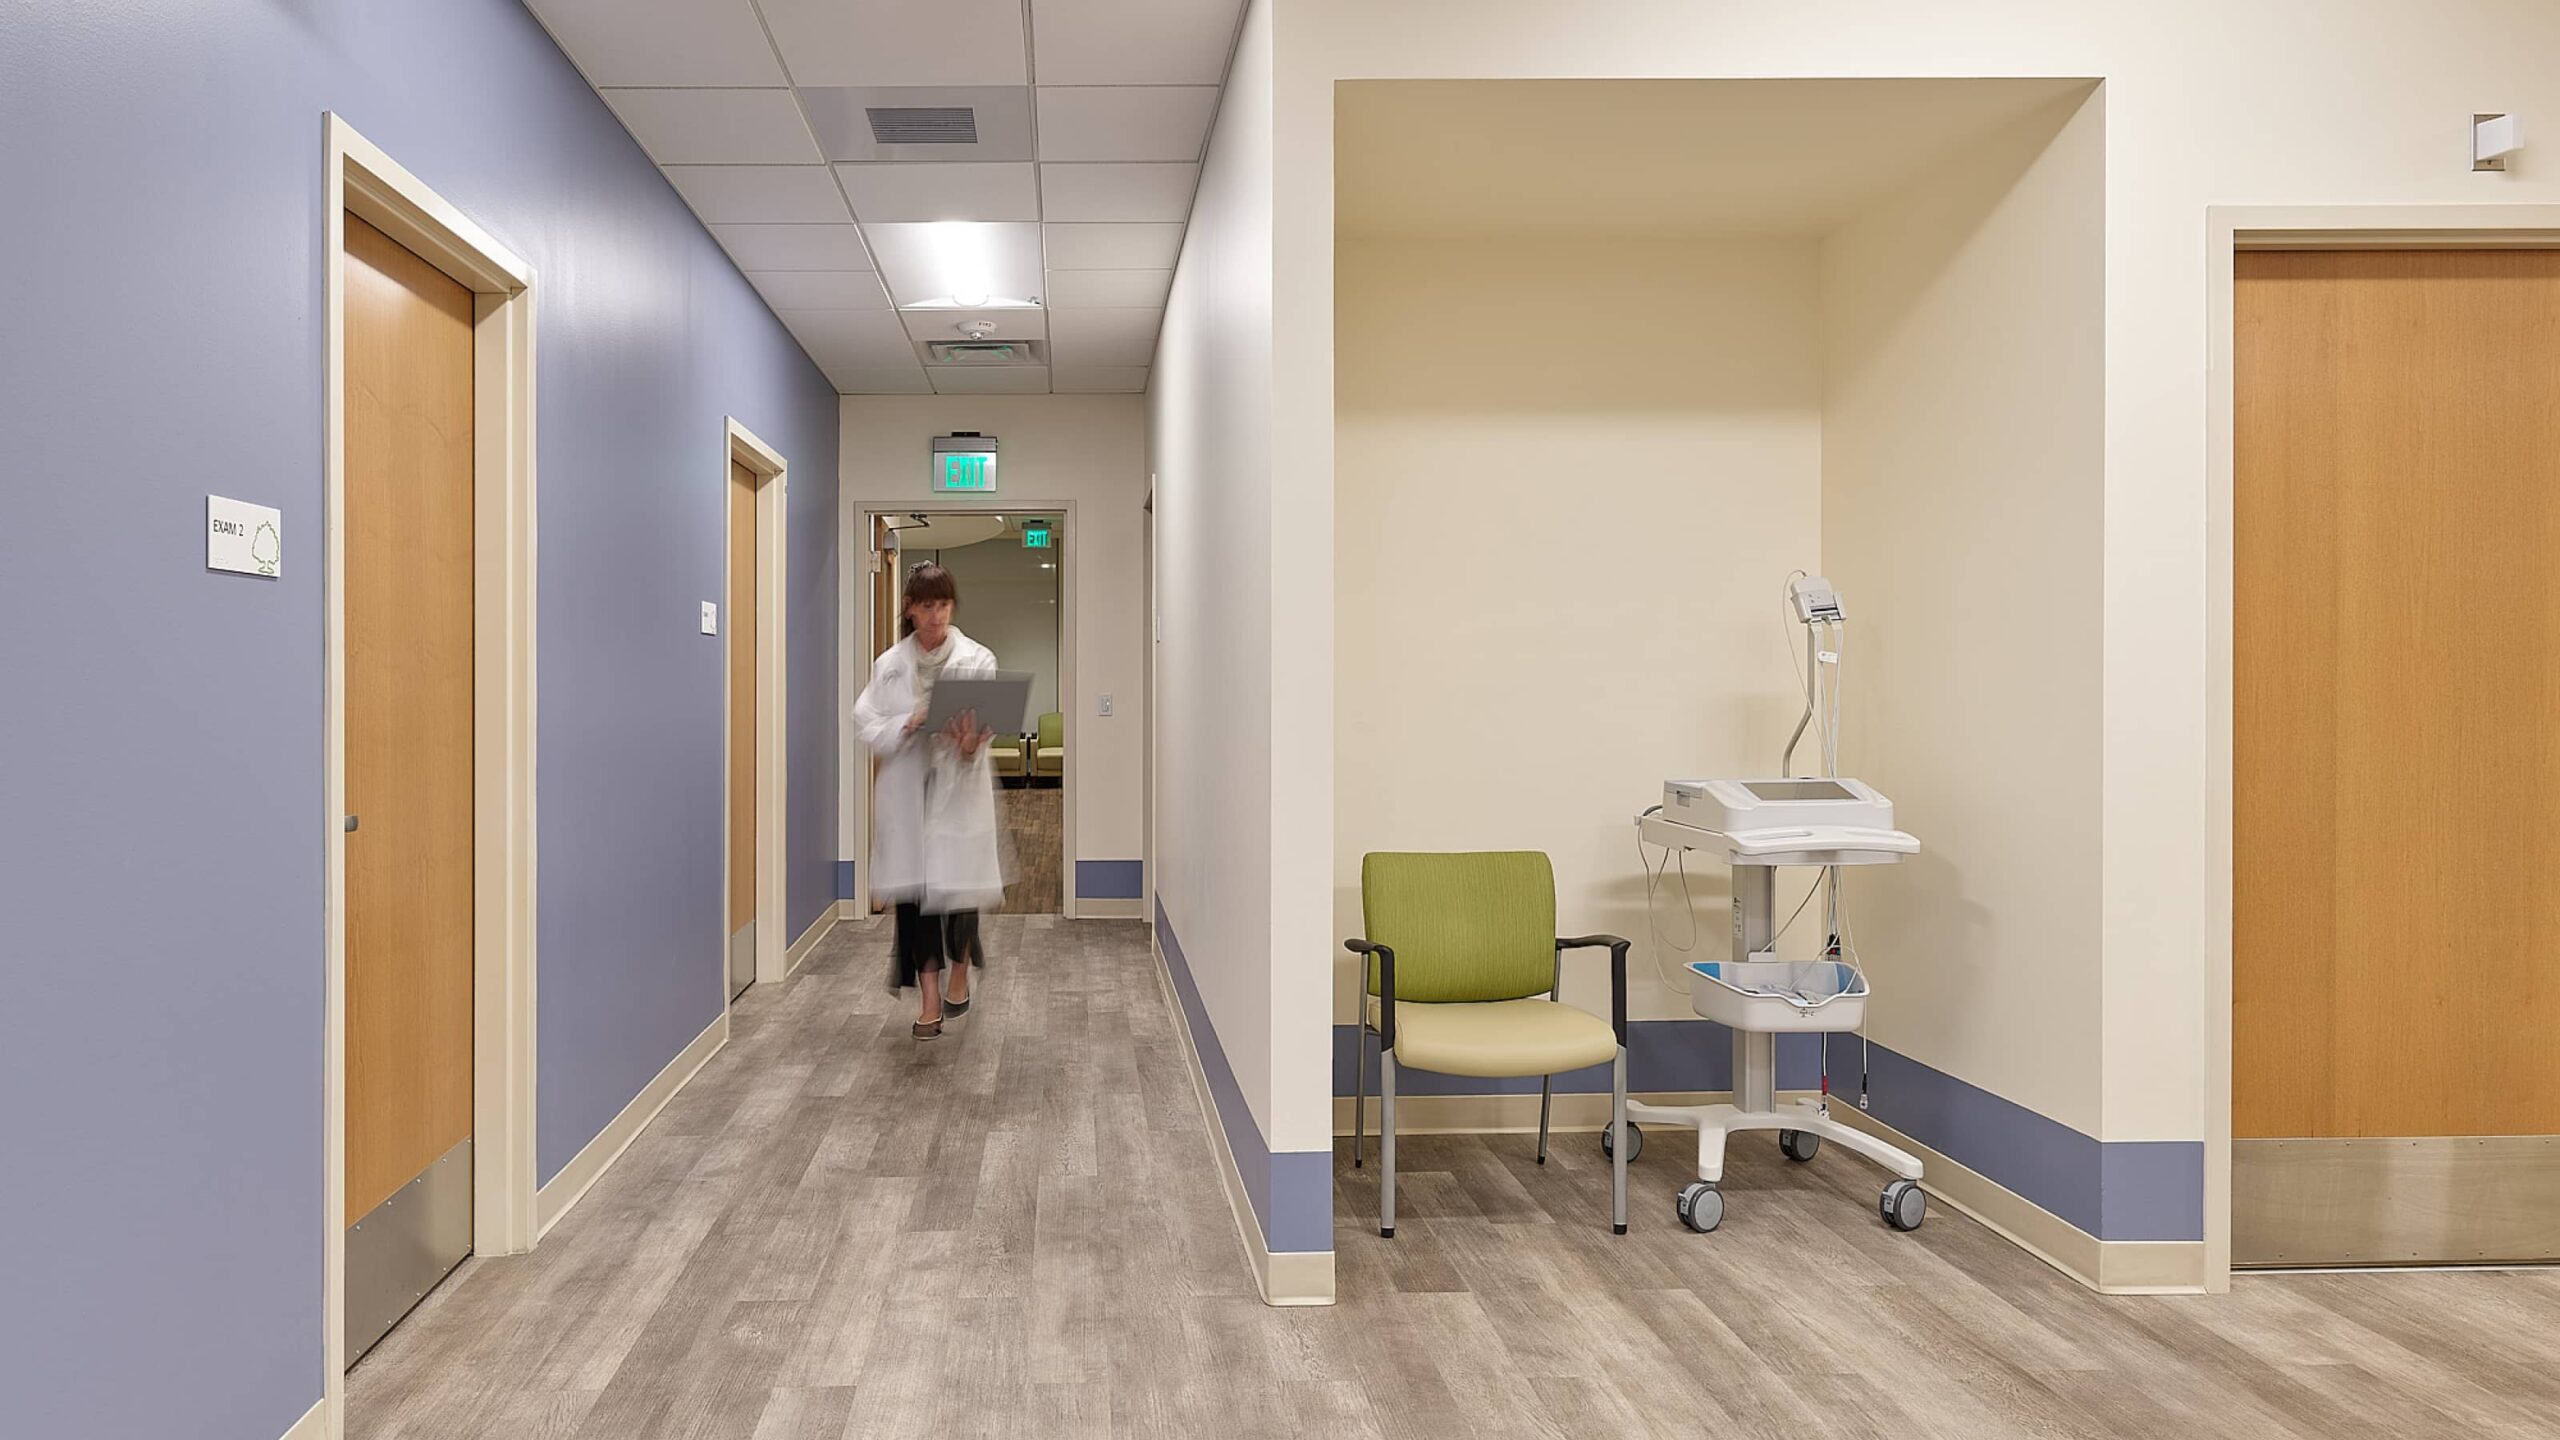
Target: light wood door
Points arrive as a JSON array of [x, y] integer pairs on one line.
[[742, 726], [408, 598], [2397, 931]]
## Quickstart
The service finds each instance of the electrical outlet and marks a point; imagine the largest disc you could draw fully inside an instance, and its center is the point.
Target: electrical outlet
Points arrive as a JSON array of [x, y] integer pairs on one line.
[[1106, 705]]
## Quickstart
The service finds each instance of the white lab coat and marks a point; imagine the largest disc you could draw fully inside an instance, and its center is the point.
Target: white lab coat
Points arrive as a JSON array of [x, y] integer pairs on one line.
[[933, 816]]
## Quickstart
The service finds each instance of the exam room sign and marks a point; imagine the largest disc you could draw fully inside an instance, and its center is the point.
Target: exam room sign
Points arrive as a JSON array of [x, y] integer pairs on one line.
[[241, 538]]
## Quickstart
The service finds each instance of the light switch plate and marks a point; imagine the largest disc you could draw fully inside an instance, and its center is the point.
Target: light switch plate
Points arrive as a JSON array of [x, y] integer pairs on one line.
[[710, 618], [1106, 704]]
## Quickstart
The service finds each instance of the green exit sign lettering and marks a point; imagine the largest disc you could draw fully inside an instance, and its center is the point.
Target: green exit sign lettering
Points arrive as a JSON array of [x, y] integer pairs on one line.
[[1035, 537], [964, 465]]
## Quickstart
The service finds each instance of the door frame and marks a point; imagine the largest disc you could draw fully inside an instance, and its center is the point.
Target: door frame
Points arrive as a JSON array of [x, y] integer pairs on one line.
[[2230, 229], [360, 178], [859, 623], [773, 731]]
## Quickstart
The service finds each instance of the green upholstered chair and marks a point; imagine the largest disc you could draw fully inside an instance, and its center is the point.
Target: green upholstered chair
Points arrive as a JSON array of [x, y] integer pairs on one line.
[[1009, 755], [1460, 949], [1049, 760]]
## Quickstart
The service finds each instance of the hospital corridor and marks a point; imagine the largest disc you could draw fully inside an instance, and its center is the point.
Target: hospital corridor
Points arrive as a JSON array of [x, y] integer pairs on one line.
[[808, 719]]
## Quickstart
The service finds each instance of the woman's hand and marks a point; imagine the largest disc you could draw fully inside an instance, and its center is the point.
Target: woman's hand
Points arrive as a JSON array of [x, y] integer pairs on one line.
[[964, 732], [915, 722]]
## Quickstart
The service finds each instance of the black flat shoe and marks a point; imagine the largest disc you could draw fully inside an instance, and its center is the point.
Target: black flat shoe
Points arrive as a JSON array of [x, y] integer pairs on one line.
[[927, 1029], [957, 1007]]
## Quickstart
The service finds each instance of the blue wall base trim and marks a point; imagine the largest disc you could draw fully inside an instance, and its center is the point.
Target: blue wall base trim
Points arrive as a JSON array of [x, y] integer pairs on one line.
[[1110, 879], [1291, 1190], [2113, 1190]]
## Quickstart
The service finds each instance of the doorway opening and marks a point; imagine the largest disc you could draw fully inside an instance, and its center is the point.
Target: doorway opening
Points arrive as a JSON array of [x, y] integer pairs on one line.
[[428, 752], [754, 715], [1015, 572]]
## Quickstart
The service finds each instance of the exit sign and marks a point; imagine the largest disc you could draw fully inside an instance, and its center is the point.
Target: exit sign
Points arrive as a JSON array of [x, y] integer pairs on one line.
[[1035, 537], [964, 465]]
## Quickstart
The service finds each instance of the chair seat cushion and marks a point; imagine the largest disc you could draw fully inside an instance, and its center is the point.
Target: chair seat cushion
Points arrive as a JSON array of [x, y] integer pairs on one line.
[[1498, 1037]]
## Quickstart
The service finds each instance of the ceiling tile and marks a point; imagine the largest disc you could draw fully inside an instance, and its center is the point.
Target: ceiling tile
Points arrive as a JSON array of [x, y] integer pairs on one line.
[[1126, 122], [943, 326], [1108, 289], [1133, 42], [862, 351], [769, 194], [1117, 192], [794, 247], [716, 127], [900, 42], [928, 263], [899, 194], [1098, 379], [1103, 337], [1114, 247], [906, 378], [989, 379], [820, 289], [662, 42]]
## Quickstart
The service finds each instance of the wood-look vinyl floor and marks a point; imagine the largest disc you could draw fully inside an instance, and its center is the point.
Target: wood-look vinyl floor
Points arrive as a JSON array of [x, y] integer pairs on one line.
[[1016, 1231]]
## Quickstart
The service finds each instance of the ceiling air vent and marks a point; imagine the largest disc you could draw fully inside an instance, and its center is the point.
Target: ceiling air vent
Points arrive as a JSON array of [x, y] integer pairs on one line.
[[923, 124], [984, 352]]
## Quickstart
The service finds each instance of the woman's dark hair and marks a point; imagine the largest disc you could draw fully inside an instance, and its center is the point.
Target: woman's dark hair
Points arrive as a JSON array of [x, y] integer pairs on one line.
[[927, 582]]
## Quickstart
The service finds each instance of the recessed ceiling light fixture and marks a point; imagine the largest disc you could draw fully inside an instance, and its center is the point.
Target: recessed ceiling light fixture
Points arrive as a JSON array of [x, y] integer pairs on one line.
[[965, 254]]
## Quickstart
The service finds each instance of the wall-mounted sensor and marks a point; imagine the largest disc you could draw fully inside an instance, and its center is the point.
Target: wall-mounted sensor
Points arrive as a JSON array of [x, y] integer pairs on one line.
[[2493, 139]]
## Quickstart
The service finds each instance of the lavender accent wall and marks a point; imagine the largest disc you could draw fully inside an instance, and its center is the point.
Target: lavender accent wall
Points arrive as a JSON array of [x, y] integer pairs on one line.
[[161, 820]]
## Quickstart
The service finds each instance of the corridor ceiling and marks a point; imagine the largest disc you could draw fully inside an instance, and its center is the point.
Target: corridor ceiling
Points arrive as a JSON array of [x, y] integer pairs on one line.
[[893, 175]]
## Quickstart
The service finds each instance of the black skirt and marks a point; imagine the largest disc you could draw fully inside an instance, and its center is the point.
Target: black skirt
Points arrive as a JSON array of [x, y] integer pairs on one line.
[[928, 942]]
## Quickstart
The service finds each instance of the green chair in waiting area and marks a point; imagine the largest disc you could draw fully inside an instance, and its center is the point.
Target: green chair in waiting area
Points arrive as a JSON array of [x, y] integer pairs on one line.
[[1460, 948], [1049, 757]]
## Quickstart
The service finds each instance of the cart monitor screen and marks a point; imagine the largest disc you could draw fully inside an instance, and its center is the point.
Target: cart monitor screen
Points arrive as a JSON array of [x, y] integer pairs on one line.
[[1798, 790]]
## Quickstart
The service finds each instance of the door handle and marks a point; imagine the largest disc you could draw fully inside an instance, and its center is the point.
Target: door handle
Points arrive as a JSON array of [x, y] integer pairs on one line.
[[351, 824]]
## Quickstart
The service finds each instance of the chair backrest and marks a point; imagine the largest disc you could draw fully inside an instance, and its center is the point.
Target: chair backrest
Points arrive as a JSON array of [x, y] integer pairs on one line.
[[1053, 730], [1476, 926]]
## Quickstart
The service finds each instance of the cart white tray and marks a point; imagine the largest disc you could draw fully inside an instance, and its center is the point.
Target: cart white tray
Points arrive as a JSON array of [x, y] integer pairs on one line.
[[1771, 996]]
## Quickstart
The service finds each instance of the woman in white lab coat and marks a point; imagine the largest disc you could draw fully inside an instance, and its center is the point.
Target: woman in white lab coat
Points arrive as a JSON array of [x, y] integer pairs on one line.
[[934, 846]]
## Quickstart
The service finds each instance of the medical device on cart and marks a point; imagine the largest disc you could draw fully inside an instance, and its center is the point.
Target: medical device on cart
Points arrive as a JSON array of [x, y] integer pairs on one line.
[[1758, 827]]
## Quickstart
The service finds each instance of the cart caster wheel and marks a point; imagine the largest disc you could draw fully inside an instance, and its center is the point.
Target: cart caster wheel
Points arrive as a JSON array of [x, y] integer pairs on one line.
[[1903, 1204], [1609, 1141], [1700, 1206], [1799, 1145]]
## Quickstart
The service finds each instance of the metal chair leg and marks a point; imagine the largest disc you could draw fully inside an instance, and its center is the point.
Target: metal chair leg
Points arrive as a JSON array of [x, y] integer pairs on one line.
[[1546, 1106], [1618, 1155], [1359, 1094], [1387, 1143]]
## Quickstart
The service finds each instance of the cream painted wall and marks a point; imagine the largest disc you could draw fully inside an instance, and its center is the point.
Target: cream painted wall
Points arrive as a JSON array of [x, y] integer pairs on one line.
[[1053, 449], [1210, 444], [1559, 568], [1963, 475], [2274, 102]]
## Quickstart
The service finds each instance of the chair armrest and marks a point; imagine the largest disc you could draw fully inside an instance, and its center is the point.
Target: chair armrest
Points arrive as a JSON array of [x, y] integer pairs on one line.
[[1617, 973], [1386, 987]]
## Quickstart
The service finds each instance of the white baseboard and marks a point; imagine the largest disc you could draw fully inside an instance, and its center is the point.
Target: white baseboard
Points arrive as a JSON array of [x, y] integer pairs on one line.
[[818, 930], [2110, 1267], [579, 1176], [1292, 1277], [1089, 908], [314, 1424]]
